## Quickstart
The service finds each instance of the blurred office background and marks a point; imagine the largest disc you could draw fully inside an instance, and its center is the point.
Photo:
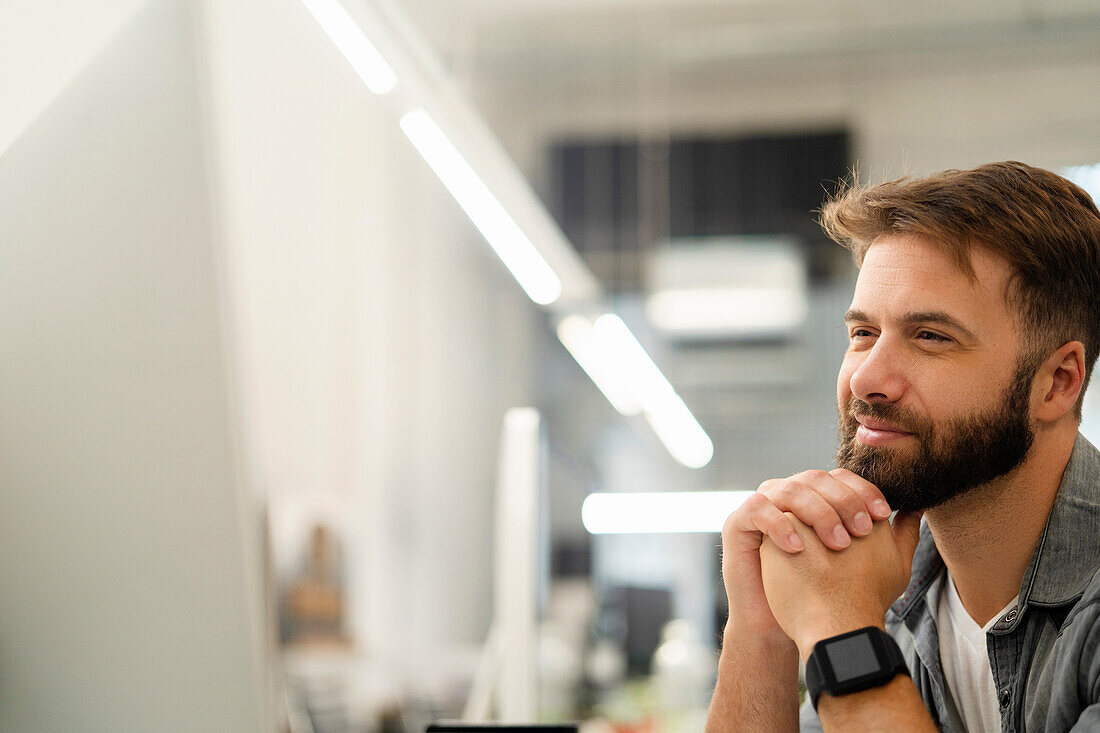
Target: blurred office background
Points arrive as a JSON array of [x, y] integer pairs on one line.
[[257, 359]]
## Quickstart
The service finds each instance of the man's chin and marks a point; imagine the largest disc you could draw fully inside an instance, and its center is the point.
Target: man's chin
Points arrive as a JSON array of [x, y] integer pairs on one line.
[[895, 456], [891, 469], [895, 451]]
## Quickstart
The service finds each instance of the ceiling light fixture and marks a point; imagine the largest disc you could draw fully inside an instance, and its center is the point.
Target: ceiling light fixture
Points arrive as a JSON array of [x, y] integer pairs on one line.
[[671, 419], [519, 255], [353, 44], [659, 511], [576, 334]]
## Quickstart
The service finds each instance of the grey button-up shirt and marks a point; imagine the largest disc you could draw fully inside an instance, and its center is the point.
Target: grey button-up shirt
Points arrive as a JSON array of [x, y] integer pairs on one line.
[[1045, 652]]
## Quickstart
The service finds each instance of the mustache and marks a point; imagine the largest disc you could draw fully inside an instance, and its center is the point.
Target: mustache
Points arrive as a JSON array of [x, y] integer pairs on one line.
[[901, 417]]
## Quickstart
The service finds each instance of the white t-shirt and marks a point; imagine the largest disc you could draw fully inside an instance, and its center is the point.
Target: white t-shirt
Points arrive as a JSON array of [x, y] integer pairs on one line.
[[965, 658]]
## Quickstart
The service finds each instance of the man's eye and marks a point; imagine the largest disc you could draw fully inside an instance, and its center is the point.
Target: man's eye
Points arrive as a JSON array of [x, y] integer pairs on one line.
[[932, 336], [860, 333]]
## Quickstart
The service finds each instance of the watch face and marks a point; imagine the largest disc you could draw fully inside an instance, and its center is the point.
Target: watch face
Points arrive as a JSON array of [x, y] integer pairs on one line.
[[852, 657]]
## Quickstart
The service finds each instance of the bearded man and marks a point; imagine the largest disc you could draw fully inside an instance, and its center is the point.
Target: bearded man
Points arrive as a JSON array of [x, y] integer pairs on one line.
[[973, 331]]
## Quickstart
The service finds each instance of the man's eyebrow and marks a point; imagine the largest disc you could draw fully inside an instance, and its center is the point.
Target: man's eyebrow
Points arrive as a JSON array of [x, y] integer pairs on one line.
[[854, 314], [939, 317]]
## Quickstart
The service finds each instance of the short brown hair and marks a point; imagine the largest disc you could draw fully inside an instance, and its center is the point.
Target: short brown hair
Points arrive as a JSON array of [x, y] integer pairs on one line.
[[1044, 226]]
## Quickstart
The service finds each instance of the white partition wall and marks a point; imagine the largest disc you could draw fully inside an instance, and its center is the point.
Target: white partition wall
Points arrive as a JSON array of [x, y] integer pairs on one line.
[[517, 562], [130, 588], [506, 679]]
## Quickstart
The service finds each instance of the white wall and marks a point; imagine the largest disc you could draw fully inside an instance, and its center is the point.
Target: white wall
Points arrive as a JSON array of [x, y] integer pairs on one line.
[[130, 574], [44, 45], [382, 339]]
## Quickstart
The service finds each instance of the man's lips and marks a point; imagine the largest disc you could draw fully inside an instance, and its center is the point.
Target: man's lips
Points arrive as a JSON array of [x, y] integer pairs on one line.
[[872, 432]]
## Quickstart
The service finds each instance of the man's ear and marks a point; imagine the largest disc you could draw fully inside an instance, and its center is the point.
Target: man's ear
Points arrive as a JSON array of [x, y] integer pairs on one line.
[[1059, 380]]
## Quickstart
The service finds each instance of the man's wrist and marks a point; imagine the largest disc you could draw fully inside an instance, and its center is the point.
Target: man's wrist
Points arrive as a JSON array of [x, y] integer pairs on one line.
[[828, 628], [757, 682], [768, 641]]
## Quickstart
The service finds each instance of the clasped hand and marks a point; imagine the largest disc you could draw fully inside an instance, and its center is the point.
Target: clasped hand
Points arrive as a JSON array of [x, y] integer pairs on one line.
[[814, 555]]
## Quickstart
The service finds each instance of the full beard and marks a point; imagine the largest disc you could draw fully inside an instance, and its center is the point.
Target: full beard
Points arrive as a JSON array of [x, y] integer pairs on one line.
[[951, 459]]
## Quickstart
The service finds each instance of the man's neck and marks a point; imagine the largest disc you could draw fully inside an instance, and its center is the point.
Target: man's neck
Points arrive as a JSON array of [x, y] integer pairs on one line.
[[987, 536]]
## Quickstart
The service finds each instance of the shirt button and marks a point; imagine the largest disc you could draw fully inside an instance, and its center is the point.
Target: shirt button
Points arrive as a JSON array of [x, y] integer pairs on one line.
[[1011, 615], [1005, 696]]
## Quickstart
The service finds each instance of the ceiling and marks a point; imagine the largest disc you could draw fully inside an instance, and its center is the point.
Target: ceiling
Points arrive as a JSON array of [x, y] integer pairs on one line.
[[548, 37]]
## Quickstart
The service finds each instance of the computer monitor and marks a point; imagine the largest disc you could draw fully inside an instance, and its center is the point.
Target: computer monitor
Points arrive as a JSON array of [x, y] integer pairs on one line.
[[130, 572]]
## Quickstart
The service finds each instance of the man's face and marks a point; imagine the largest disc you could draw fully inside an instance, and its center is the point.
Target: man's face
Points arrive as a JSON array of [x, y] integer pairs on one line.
[[933, 399]]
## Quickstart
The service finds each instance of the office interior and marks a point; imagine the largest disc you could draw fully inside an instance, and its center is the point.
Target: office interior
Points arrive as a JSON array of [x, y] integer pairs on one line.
[[374, 362]]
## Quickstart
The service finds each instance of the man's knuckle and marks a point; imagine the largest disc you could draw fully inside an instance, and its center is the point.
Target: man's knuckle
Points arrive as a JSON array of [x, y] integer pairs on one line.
[[815, 475], [739, 518], [786, 490], [754, 501], [730, 525]]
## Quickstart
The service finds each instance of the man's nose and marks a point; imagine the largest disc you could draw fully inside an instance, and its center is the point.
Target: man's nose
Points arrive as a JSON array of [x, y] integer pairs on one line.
[[879, 377]]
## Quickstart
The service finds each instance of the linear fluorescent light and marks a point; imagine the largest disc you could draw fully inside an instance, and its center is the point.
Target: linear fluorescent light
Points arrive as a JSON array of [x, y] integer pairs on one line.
[[576, 334], [681, 433], [673, 422], [629, 357], [519, 255], [353, 43], [666, 511]]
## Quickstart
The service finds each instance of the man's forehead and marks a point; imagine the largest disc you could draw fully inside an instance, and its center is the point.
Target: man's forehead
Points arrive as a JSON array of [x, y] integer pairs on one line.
[[905, 275]]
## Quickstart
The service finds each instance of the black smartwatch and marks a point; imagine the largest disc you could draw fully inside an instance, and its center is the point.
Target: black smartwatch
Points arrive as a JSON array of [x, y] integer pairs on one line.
[[851, 662]]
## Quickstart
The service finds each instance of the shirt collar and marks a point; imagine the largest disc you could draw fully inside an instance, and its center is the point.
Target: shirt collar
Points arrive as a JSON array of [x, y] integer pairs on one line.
[[1068, 551], [1069, 548]]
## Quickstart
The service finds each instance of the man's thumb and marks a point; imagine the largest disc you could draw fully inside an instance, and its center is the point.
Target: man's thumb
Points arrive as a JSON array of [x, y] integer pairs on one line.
[[906, 528]]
